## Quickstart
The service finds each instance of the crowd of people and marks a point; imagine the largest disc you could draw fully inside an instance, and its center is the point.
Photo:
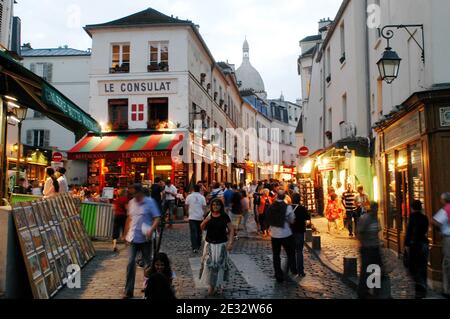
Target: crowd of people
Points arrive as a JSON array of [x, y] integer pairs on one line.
[[218, 212]]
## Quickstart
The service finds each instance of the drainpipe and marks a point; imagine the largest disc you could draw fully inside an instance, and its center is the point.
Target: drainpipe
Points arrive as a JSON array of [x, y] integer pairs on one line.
[[324, 95], [368, 90]]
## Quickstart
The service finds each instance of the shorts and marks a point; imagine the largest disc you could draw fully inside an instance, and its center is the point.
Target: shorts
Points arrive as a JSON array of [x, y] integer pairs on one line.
[[236, 220], [119, 224]]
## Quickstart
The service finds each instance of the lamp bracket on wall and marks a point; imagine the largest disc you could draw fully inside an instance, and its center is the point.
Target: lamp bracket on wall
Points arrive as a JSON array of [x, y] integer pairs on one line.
[[387, 32]]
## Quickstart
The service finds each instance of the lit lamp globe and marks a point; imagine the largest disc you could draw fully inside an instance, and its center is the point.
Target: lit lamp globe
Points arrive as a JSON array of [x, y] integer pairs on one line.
[[389, 65]]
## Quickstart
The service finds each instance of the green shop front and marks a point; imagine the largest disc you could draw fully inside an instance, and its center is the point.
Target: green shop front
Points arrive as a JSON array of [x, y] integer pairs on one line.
[[346, 162], [22, 89]]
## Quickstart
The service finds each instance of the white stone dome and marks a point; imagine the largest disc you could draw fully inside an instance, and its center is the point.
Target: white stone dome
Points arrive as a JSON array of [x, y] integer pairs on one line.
[[248, 75]]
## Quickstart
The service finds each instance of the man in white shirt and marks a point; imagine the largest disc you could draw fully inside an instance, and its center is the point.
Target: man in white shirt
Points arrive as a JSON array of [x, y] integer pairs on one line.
[[170, 196], [62, 181], [442, 220], [196, 206]]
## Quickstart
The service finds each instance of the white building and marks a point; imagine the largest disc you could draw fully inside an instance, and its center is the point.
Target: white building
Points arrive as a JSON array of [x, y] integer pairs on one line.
[[346, 98], [151, 73], [280, 117], [6, 22], [68, 70]]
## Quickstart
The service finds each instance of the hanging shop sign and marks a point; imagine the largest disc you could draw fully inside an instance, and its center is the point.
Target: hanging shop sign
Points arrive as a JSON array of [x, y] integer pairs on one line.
[[136, 87], [52, 97]]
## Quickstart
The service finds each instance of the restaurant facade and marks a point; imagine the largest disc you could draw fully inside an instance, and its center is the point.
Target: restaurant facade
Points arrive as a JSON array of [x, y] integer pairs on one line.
[[413, 156], [158, 94]]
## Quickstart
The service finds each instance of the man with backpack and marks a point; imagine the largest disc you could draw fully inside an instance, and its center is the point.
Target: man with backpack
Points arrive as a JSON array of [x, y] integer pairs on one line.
[[279, 217], [216, 192]]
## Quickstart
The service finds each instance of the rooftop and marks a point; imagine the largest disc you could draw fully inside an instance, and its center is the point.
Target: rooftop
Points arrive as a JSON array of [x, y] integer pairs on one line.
[[146, 17], [312, 38], [30, 52]]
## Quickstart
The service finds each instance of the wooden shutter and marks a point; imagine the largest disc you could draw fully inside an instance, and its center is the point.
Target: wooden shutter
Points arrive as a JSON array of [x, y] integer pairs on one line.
[[29, 137], [33, 67], [48, 72], [46, 138]]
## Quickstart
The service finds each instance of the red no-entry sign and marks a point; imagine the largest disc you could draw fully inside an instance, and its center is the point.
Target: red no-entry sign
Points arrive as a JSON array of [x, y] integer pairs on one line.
[[304, 151], [57, 157]]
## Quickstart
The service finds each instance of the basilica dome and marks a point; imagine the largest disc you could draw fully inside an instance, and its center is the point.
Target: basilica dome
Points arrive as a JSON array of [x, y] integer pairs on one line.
[[247, 75]]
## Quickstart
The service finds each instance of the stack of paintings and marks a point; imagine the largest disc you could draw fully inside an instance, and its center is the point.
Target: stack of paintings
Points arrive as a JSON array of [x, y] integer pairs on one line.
[[53, 240]]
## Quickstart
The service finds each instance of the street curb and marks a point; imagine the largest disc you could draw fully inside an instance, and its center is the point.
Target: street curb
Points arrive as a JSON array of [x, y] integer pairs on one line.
[[350, 282]]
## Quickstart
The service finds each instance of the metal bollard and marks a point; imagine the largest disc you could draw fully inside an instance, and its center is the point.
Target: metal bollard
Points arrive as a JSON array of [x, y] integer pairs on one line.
[[350, 267], [309, 236], [316, 243]]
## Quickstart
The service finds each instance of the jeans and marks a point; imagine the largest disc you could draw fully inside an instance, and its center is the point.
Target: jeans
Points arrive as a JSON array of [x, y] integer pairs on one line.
[[299, 244], [418, 262], [369, 256], [350, 217], [446, 264], [170, 205], [146, 250], [289, 247], [196, 234]]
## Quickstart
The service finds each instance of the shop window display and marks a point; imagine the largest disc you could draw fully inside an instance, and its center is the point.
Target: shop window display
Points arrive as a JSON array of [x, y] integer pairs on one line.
[[418, 192], [391, 188]]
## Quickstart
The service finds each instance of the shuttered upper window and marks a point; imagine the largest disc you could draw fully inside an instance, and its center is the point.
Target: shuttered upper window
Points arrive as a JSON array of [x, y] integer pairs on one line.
[[44, 70], [38, 138]]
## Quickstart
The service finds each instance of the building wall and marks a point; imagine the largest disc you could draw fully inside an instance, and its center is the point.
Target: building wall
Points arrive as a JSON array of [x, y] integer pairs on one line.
[[139, 40], [349, 78], [70, 75], [6, 23], [414, 76]]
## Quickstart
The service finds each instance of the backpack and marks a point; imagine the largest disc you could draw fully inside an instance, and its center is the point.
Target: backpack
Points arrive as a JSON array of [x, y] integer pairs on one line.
[[276, 214], [213, 196]]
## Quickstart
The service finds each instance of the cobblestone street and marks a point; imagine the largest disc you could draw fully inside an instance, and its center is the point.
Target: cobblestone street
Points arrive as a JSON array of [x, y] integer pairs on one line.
[[337, 245], [251, 276]]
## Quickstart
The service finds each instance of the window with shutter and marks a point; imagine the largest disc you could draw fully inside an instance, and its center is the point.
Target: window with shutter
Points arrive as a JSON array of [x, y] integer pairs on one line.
[[33, 67], [48, 72], [29, 137], [46, 138]]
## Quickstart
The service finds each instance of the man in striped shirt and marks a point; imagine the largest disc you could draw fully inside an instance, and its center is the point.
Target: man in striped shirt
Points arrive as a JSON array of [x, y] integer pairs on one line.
[[348, 200]]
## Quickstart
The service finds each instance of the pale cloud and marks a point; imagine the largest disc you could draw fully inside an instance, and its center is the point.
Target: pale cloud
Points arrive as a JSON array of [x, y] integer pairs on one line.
[[273, 28]]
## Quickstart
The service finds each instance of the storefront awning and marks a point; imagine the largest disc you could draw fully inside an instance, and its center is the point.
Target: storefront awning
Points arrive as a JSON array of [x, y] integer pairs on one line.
[[35, 93], [125, 145]]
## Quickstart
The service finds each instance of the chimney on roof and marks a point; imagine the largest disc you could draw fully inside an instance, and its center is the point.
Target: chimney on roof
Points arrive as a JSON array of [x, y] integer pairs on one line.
[[324, 24]]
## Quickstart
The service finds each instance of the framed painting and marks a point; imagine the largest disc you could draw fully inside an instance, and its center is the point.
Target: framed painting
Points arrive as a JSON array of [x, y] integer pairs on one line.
[[36, 238]]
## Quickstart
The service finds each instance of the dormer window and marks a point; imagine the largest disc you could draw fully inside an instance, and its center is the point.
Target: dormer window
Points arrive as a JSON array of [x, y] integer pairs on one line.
[[159, 57], [120, 62]]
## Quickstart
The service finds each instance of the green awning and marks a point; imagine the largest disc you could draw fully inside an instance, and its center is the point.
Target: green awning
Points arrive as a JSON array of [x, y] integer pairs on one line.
[[35, 93]]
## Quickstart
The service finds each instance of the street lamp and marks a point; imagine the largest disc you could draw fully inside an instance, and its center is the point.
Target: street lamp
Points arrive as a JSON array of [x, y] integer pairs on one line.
[[389, 64], [18, 115]]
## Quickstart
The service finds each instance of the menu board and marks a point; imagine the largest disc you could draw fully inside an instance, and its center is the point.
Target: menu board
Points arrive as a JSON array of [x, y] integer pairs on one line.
[[52, 237]]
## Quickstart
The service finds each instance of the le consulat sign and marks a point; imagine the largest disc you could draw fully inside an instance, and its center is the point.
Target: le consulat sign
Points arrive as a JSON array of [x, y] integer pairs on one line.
[[136, 87]]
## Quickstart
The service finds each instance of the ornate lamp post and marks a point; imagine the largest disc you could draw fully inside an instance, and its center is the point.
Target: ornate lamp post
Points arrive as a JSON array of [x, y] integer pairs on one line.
[[389, 64], [18, 115]]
